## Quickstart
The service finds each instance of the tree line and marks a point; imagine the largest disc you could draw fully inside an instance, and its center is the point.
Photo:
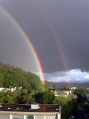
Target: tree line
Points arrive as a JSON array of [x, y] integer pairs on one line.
[[33, 91], [11, 76]]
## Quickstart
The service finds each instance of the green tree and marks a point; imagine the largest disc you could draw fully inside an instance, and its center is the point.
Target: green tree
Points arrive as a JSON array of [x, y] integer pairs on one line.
[[11, 76], [81, 94], [15, 95], [2, 96], [1, 80], [8, 99], [49, 96], [39, 97], [67, 104], [25, 97]]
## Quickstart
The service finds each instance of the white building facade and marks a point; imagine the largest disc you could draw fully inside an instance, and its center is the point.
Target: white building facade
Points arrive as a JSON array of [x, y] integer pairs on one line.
[[42, 112]]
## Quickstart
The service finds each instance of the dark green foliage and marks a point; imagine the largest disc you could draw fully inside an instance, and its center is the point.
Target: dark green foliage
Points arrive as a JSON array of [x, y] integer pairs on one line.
[[39, 97], [1, 80], [67, 104], [82, 102], [16, 96], [81, 94], [15, 77], [8, 99], [10, 77], [49, 96], [25, 97]]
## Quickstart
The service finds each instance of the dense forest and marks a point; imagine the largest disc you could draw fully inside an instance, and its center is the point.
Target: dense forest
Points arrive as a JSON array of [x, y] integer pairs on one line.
[[11, 77], [28, 86]]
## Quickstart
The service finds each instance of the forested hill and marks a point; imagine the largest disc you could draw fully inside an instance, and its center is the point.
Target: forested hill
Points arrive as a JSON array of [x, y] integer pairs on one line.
[[11, 76]]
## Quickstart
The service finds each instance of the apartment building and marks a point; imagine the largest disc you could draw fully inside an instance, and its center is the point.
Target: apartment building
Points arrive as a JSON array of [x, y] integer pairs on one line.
[[30, 111]]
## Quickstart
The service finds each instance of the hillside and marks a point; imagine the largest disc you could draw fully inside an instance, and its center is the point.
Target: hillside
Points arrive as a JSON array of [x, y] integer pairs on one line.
[[69, 85], [11, 76]]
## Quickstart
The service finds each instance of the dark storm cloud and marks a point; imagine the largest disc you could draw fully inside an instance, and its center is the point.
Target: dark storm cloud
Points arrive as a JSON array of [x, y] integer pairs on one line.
[[70, 22], [55, 26]]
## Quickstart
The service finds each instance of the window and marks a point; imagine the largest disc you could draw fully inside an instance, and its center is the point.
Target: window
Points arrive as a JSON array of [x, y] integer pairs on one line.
[[39, 117], [17, 117], [30, 117], [50, 117]]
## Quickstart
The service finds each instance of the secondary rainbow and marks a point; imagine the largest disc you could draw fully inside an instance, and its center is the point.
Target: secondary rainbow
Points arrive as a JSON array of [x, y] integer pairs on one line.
[[28, 41]]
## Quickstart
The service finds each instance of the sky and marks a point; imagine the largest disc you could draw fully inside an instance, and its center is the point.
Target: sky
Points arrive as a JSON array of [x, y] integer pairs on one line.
[[59, 32]]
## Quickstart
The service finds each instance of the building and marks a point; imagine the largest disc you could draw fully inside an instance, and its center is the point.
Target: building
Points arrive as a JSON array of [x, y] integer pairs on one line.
[[67, 92], [10, 89], [56, 93], [33, 111], [87, 97]]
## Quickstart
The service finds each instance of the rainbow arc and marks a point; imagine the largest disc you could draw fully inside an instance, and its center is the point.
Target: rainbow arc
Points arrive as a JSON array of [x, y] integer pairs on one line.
[[16, 24]]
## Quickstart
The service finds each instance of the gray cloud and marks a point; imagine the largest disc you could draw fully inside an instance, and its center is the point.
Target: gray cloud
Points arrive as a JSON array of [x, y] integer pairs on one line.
[[14, 48], [74, 75], [59, 30]]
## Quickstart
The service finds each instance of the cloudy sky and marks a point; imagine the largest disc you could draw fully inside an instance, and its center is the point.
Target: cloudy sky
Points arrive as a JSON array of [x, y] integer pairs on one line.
[[59, 32]]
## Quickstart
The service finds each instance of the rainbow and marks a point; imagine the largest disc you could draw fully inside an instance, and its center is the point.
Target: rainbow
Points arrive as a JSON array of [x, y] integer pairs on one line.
[[52, 31], [28, 41]]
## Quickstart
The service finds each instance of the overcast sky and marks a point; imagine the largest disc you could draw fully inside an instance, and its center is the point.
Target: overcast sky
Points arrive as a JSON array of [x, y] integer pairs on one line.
[[58, 29]]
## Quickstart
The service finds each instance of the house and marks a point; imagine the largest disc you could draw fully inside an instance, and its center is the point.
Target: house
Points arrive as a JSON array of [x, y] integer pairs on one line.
[[56, 93], [73, 88], [30, 111], [2, 89], [67, 92], [11, 89], [87, 97]]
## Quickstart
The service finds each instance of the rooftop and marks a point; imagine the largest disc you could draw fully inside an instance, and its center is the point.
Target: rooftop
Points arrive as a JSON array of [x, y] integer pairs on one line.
[[30, 107]]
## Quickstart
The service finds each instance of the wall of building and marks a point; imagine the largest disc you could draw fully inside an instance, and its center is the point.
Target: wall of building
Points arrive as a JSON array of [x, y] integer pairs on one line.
[[39, 117], [17, 116], [4, 116], [29, 115]]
